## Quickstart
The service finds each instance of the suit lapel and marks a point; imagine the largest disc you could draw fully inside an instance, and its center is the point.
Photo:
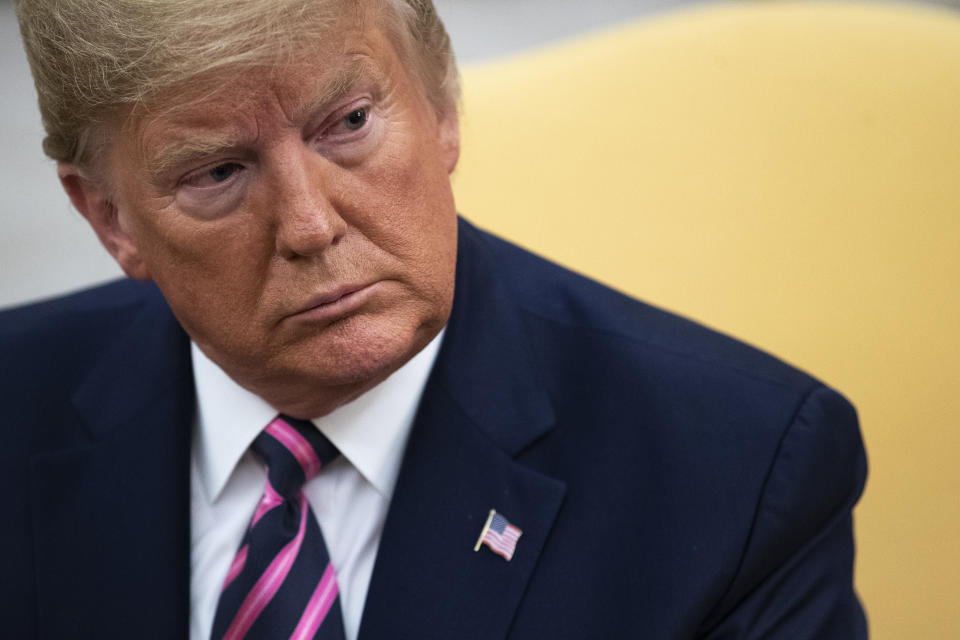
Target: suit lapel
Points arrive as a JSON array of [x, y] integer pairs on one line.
[[112, 537], [482, 406]]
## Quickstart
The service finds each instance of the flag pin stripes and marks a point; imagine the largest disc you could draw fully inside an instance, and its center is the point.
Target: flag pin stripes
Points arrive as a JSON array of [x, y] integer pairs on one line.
[[499, 535]]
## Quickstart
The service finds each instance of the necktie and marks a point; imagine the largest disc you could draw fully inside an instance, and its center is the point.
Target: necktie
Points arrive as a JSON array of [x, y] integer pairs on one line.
[[281, 583]]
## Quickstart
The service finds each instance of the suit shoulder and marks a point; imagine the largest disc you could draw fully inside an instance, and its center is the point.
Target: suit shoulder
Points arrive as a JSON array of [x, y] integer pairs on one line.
[[555, 295], [103, 298], [67, 327]]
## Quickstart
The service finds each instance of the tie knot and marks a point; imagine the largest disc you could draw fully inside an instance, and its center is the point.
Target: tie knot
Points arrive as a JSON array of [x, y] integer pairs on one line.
[[293, 451]]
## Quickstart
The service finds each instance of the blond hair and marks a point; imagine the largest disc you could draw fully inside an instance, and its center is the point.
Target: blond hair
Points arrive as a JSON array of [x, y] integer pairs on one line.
[[93, 59]]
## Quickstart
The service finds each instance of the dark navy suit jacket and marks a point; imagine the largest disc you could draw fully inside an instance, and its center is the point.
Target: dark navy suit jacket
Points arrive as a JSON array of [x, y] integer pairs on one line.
[[670, 482]]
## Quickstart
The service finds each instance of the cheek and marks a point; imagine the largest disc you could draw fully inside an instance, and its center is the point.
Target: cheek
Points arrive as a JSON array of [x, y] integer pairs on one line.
[[169, 239], [405, 202], [205, 268]]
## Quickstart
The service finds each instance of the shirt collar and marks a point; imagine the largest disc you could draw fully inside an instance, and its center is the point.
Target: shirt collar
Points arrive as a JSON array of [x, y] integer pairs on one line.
[[371, 431]]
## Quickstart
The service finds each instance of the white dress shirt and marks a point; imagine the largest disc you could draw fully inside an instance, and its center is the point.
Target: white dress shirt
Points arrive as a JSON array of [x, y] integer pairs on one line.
[[350, 497]]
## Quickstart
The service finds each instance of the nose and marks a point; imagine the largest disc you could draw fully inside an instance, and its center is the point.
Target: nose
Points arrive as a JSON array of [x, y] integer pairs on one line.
[[307, 219]]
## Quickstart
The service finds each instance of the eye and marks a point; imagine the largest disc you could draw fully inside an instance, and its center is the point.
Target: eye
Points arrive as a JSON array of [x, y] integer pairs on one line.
[[356, 119], [213, 176], [223, 171], [349, 133]]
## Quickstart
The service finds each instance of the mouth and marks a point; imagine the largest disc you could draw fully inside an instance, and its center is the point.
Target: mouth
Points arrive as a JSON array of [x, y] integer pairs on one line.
[[335, 303]]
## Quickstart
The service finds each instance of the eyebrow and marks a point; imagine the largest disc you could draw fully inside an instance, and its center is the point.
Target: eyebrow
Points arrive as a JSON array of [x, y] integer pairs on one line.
[[187, 149], [356, 68]]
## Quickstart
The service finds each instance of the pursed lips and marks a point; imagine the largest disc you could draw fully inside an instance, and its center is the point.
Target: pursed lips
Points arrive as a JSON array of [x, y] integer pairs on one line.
[[341, 299]]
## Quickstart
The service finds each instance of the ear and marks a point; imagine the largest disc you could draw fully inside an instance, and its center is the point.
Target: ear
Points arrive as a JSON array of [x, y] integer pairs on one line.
[[448, 124], [93, 201]]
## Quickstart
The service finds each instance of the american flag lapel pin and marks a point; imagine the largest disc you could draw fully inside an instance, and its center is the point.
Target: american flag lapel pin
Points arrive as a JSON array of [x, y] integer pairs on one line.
[[499, 535]]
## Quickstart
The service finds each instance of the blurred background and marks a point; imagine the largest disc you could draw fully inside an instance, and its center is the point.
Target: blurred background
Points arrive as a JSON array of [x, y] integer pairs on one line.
[[786, 172]]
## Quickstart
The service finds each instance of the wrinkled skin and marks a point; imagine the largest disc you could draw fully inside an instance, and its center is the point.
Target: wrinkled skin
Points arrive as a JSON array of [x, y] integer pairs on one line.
[[299, 221]]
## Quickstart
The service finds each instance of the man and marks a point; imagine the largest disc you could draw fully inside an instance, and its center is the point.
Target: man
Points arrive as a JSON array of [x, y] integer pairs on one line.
[[514, 451]]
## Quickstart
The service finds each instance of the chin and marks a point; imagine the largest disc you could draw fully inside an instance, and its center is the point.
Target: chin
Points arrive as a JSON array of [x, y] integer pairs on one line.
[[313, 376], [313, 384], [367, 354]]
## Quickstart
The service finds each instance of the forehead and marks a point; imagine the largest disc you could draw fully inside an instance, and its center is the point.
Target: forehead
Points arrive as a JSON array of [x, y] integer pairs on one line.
[[229, 107]]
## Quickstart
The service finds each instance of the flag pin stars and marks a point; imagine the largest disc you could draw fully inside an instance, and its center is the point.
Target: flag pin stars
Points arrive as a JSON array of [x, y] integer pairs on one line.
[[499, 535]]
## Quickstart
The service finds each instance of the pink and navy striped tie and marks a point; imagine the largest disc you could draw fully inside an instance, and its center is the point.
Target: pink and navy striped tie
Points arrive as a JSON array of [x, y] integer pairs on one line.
[[281, 583]]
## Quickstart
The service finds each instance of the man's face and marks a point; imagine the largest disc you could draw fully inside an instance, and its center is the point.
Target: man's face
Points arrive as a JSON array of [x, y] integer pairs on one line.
[[299, 220]]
